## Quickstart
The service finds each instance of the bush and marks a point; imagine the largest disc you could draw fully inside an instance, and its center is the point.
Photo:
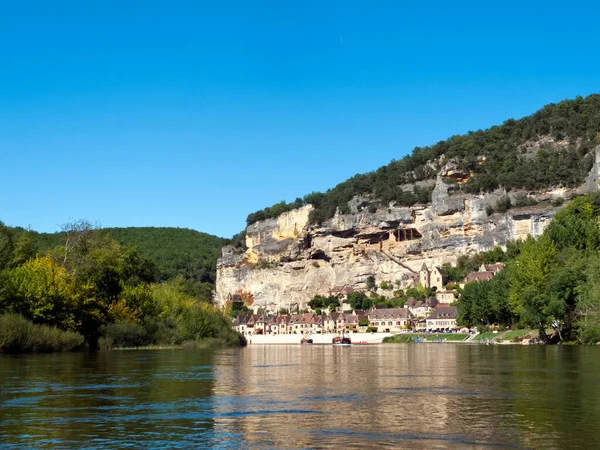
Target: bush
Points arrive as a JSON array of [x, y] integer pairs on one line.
[[557, 201], [17, 335], [372, 330], [522, 200], [363, 323], [503, 204], [489, 210], [387, 285], [123, 335], [398, 339]]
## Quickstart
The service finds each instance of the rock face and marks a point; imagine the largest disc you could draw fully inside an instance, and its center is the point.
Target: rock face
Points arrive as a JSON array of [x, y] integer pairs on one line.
[[288, 261]]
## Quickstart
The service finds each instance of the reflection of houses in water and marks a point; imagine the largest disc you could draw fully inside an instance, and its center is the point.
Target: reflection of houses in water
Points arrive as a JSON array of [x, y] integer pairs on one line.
[[398, 389]]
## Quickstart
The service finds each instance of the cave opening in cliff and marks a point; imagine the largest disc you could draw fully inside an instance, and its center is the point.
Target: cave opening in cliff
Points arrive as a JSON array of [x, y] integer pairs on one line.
[[344, 233], [407, 234], [375, 238], [320, 254]]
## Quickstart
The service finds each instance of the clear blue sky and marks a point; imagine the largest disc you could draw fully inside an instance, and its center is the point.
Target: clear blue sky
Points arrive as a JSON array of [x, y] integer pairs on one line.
[[194, 114]]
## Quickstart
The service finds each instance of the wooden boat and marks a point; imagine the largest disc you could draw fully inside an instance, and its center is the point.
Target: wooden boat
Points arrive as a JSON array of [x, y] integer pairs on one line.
[[341, 341]]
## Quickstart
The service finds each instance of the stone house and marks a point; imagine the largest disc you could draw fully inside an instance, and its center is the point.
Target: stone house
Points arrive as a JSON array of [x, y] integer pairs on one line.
[[433, 278], [421, 308], [445, 296], [262, 324], [330, 322], [409, 280], [317, 325], [390, 320], [495, 268], [341, 292], [442, 318], [280, 325], [302, 323], [250, 324], [479, 276], [240, 324]]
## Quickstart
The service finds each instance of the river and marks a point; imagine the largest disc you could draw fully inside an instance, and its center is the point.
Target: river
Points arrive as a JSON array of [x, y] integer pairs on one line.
[[417, 396]]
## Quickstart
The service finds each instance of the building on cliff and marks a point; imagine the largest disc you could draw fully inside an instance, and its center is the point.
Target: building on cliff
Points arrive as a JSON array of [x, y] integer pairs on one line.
[[432, 278]]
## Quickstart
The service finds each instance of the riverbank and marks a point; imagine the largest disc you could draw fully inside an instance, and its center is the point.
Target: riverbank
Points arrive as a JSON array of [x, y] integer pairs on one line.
[[18, 335], [319, 339]]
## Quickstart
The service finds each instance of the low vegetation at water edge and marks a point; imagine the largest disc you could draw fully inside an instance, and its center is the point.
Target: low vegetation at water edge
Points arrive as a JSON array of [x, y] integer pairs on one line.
[[409, 338], [18, 335]]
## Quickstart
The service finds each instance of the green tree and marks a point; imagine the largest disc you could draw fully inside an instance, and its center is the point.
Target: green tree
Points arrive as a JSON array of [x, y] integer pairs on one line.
[[587, 320], [528, 275], [371, 283]]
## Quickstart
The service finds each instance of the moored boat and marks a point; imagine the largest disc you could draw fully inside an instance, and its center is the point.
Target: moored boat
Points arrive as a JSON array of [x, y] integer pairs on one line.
[[342, 340]]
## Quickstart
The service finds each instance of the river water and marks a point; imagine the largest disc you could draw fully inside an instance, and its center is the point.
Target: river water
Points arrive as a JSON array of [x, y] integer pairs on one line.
[[417, 396]]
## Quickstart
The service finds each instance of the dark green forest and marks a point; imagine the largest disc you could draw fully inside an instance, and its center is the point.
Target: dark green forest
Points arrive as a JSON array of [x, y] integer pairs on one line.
[[175, 251], [496, 157], [108, 288]]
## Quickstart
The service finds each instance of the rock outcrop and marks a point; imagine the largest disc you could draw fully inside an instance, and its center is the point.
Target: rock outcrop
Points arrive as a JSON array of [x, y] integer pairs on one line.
[[288, 261]]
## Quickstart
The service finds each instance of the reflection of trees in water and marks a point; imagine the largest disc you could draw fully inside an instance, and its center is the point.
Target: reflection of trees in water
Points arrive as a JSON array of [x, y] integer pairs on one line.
[[125, 396]]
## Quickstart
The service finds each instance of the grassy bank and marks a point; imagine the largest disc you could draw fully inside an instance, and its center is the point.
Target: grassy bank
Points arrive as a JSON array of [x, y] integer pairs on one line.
[[205, 343], [446, 337], [207, 333], [409, 338], [18, 335], [508, 336]]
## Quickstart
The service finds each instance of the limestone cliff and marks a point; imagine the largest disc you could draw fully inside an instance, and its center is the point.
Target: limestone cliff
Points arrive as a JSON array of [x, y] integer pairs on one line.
[[288, 261]]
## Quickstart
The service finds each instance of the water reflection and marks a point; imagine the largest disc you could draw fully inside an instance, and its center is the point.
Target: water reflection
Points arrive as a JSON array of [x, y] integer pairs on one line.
[[413, 396], [105, 399], [398, 396]]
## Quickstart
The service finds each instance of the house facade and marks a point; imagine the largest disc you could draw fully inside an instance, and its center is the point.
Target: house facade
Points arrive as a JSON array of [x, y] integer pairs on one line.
[[409, 280], [495, 268], [390, 320], [444, 296], [421, 308], [432, 278], [442, 318], [341, 292]]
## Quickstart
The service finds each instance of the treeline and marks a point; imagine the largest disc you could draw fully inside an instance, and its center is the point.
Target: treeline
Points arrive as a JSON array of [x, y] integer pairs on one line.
[[175, 251], [396, 298], [552, 282], [496, 157], [92, 286]]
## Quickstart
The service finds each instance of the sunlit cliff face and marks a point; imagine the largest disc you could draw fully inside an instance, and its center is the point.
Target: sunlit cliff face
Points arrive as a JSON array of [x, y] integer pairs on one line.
[[288, 261]]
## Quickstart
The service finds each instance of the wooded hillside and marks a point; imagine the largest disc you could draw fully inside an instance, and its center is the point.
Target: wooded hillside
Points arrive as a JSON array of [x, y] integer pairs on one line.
[[176, 251], [552, 147]]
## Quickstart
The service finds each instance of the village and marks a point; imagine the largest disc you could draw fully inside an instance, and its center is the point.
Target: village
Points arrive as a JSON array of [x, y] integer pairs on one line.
[[436, 314]]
